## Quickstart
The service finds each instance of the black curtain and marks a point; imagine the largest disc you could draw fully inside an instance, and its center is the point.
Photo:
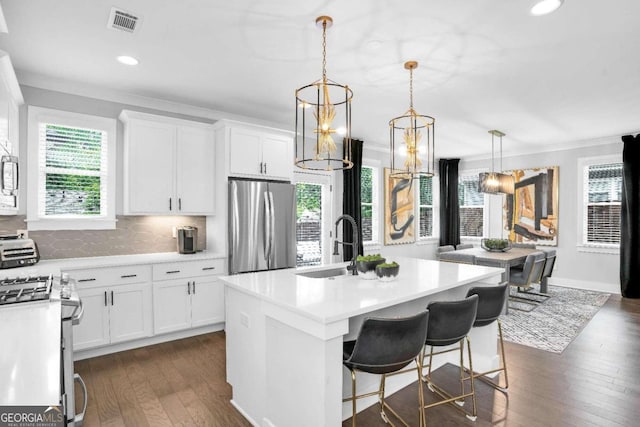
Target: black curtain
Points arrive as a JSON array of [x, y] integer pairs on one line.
[[351, 198], [630, 218], [449, 205]]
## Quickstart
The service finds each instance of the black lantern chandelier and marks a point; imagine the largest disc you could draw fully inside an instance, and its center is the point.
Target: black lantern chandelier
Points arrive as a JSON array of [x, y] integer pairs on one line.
[[495, 182], [415, 157], [330, 103]]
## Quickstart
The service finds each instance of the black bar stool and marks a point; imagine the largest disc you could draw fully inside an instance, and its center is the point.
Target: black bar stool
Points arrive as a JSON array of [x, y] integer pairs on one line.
[[490, 303], [385, 346], [450, 323]]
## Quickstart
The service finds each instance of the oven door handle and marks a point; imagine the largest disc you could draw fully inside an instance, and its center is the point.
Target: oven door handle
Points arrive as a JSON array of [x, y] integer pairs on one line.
[[77, 314], [79, 419]]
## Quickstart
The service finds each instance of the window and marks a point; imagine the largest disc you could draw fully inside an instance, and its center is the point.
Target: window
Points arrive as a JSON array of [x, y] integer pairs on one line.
[[426, 207], [71, 171], [313, 216], [471, 206], [602, 191], [369, 204]]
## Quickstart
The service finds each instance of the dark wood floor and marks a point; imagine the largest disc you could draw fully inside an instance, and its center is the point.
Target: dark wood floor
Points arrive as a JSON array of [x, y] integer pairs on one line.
[[594, 382]]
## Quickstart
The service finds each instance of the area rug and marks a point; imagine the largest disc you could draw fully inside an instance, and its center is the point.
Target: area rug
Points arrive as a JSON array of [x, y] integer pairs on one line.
[[553, 323]]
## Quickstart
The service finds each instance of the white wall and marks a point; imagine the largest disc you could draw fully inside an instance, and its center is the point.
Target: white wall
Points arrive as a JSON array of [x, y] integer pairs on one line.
[[598, 271]]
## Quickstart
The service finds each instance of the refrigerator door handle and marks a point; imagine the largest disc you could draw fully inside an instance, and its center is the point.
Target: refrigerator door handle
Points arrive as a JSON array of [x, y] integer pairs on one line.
[[267, 227], [272, 226]]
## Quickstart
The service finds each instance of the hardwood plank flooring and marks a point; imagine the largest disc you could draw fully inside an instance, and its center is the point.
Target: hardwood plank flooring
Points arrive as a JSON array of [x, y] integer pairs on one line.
[[594, 382]]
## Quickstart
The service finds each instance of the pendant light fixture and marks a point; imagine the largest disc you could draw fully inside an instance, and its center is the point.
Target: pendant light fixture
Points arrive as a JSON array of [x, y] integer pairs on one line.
[[414, 157], [495, 182], [330, 103]]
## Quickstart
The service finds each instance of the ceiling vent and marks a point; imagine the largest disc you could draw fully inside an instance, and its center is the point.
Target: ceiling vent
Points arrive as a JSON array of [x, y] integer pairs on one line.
[[123, 20]]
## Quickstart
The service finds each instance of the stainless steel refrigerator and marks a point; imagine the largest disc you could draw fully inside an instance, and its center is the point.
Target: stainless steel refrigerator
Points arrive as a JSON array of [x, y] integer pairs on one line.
[[262, 225]]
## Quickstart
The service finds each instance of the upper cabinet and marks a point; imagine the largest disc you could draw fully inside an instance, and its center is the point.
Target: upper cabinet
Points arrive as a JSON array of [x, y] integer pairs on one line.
[[169, 166], [256, 151], [10, 99]]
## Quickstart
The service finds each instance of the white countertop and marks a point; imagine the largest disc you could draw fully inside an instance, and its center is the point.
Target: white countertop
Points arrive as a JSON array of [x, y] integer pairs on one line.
[[30, 358], [54, 266], [331, 299]]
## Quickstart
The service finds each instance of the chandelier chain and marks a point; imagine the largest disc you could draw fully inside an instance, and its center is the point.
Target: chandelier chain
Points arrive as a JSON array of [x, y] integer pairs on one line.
[[324, 51], [411, 88]]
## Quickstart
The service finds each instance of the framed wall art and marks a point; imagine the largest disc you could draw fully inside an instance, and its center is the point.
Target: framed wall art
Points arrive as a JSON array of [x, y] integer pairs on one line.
[[531, 212], [399, 212]]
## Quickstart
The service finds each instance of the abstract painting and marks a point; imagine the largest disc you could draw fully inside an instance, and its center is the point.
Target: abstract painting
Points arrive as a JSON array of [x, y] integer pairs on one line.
[[399, 224], [531, 212]]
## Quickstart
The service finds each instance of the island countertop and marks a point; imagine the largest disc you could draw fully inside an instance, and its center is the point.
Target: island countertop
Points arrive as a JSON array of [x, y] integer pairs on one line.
[[328, 300]]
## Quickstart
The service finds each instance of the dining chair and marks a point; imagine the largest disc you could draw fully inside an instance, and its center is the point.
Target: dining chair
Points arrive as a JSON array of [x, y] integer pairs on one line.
[[490, 304], [524, 245], [383, 347], [530, 273], [445, 248], [449, 324]]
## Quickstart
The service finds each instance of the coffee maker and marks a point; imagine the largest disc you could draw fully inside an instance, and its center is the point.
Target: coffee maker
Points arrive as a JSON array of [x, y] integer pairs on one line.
[[187, 239]]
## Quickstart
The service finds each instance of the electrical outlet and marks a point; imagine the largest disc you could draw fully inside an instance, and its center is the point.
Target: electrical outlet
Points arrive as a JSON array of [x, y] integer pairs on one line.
[[22, 234], [245, 319], [174, 232]]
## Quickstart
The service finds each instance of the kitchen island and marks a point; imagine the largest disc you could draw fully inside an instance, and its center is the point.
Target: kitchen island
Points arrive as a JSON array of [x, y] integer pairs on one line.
[[284, 334]]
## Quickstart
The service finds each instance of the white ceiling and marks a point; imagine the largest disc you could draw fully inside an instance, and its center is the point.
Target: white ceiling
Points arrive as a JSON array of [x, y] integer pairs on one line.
[[567, 77]]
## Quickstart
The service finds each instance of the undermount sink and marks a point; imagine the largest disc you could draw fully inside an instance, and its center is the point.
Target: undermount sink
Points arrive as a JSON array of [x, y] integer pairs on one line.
[[323, 274]]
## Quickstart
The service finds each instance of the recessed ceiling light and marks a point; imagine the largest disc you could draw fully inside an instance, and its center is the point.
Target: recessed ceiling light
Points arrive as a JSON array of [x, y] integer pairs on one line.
[[545, 7], [127, 60]]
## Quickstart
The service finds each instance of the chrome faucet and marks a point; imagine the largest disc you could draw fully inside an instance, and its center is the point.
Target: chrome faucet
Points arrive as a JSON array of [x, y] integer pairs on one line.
[[353, 243]]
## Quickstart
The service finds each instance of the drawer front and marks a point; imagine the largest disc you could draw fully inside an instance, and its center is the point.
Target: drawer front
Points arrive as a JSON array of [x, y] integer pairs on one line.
[[178, 270], [94, 277]]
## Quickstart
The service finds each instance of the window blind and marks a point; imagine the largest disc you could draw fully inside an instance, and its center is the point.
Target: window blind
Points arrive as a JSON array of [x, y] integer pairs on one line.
[[471, 206], [308, 224], [426, 206], [73, 171], [366, 201], [604, 194]]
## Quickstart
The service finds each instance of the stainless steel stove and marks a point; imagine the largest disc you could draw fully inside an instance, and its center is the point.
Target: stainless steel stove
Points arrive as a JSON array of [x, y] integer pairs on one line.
[[25, 289], [31, 292]]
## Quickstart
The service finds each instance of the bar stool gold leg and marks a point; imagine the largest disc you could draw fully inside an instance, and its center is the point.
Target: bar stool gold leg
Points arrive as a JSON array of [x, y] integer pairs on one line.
[[473, 388], [353, 402]]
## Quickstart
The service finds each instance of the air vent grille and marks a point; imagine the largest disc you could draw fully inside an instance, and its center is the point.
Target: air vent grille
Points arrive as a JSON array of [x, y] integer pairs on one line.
[[122, 20]]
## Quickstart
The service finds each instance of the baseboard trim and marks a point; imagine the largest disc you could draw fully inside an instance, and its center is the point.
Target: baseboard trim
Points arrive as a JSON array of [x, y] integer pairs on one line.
[[243, 413], [156, 339], [611, 288]]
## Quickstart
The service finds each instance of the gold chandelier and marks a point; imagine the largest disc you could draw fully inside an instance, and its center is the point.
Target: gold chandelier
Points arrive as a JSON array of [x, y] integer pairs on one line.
[[330, 103], [495, 182], [415, 157]]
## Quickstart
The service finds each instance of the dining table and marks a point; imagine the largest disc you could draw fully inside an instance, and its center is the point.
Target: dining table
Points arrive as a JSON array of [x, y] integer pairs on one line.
[[506, 259]]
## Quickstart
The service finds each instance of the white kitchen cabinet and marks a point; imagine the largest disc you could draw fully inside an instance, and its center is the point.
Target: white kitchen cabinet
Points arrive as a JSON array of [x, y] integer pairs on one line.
[[169, 166], [117, 305], [258, 152], [10, 99], [187, 295]]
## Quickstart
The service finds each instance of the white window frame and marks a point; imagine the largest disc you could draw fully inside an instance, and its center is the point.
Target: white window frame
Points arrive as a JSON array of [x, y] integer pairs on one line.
[[105, 221], [326, 205], [435, 206], [376, 178], [582, 203], [485, 208]]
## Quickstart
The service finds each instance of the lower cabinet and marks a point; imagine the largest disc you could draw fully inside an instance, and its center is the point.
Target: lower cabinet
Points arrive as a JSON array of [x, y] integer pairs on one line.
[[113, 314], [187, 303]]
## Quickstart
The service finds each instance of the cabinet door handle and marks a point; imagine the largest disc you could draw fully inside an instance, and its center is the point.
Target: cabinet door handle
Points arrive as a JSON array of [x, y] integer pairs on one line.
[[111, 297], [194, 286], [208, 268], [188, 288], [128, 276], [169, 203], [260, 167], [173, 271], [87, 280], [179, 203], [105, 298], [265, 168]]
